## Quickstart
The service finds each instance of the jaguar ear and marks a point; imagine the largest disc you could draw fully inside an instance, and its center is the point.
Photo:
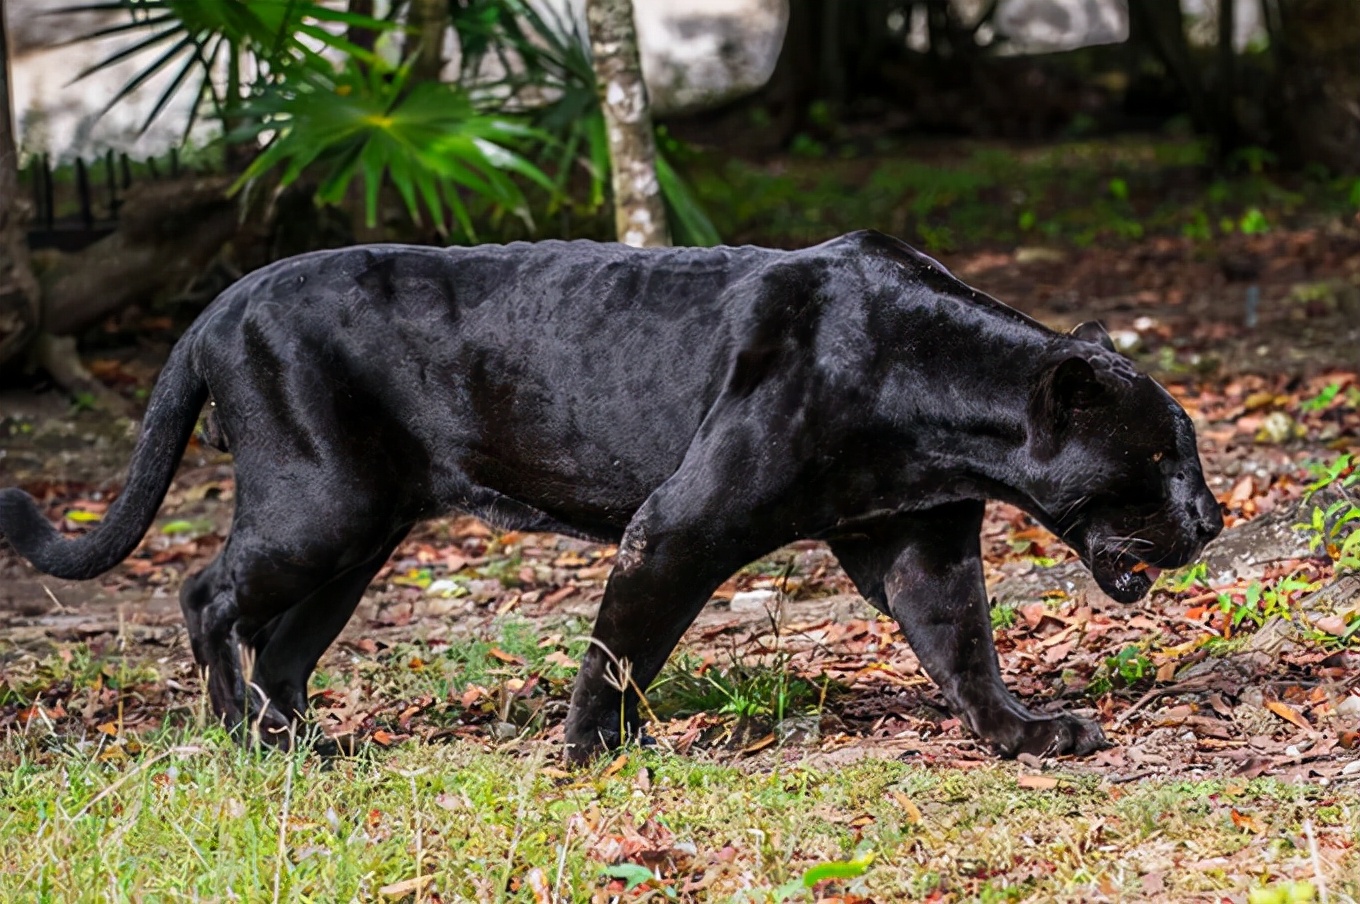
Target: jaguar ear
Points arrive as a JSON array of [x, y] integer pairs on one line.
[[1075, 385], [1092, 331], [1063, 389]]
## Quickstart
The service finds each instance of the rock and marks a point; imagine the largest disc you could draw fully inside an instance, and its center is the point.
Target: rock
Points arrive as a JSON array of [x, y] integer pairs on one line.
[[1243, 552], [1126, 341], [1349, 708], [704, 53], [752, 600], [1036, 255]]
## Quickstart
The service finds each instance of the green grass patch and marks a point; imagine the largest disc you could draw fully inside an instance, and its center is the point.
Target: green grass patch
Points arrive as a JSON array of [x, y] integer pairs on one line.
[[193, 817], [953, 196]]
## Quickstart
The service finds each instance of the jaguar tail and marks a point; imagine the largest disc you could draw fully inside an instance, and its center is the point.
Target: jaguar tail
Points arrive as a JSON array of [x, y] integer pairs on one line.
[[170, 417]]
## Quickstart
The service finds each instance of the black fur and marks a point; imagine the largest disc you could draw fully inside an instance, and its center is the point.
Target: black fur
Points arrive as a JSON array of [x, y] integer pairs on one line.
[[700, 407]]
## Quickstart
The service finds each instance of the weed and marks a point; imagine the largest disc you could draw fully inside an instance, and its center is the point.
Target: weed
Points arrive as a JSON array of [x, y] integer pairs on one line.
[[1126, 668], [1184, 580], [1253, 222], [1323, 399], [1003, 616], [1259, 602], [1334, 530]]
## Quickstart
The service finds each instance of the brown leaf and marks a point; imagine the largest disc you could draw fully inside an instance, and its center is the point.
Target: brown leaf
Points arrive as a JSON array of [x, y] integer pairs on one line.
[[1037, 782], [909, 808], [405, 887], [557, 596], [509, 658], [538, 884], [760, 744], [613, 768], [1246, 821], [1288, 713]]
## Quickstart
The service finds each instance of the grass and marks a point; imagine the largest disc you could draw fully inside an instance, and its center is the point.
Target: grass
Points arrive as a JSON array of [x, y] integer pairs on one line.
[[193, 817], [958, 195], [181, 813]]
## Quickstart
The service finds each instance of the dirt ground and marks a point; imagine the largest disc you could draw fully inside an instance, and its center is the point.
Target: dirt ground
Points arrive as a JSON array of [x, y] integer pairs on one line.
[[1197, 695]]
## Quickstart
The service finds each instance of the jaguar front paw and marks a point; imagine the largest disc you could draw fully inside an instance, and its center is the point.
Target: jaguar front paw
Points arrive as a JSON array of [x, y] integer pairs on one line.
[[1043, 736]]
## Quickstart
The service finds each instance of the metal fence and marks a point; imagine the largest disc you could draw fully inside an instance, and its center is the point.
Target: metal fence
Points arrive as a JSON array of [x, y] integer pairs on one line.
[[76, 205]]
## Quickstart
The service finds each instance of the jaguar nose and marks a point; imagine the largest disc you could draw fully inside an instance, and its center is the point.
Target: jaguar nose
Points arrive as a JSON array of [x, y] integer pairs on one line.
[[1208, 515]]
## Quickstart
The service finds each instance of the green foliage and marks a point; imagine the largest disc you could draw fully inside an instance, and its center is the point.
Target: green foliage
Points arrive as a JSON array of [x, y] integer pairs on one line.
[[1127, 667], [1182, 580], [632, 875], [278, 38], [1003, 616], [766, 692], [1130, 664], [1334, 530], [1261, 602], [553, 53], [1253, 222], [1323, 400], [428, 139], [838, 869], [440, 146]]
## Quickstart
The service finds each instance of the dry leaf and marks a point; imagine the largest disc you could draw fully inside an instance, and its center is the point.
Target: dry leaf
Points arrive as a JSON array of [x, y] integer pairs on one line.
[[761, 744], [538, 884], [909, 808], [508, 658], [1288, 713], [1037, 782], [405, 887]]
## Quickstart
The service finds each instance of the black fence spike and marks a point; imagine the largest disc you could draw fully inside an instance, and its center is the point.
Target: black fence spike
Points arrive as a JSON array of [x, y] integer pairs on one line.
[[49, 207], [83, 189]]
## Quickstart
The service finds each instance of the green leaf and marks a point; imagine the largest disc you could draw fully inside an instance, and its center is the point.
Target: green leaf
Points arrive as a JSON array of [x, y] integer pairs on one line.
[[632, 874], [839, 869], [689, 223], [80, 516]]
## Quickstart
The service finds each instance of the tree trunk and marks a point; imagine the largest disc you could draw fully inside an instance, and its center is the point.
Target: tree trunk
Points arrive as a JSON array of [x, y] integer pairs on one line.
[[639, 214], [430, 19], [1225, 88], [1160, 24], [18, 288], [361, 37], [792, 87], [1319, 76]]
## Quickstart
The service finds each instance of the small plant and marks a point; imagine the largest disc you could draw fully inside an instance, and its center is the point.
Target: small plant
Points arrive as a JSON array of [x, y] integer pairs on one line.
[[429, 139], [1193, 577], [1333, 531], [758, 692], [1129, 666], [1199, 229], [1323, 399], [1261, 602], [1003, 616], [1253, 222]]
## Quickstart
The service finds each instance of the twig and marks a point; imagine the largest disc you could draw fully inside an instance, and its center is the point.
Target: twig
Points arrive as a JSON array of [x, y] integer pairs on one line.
[[283, 826], [1197, 683], [1317, 860], [141, 767]]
